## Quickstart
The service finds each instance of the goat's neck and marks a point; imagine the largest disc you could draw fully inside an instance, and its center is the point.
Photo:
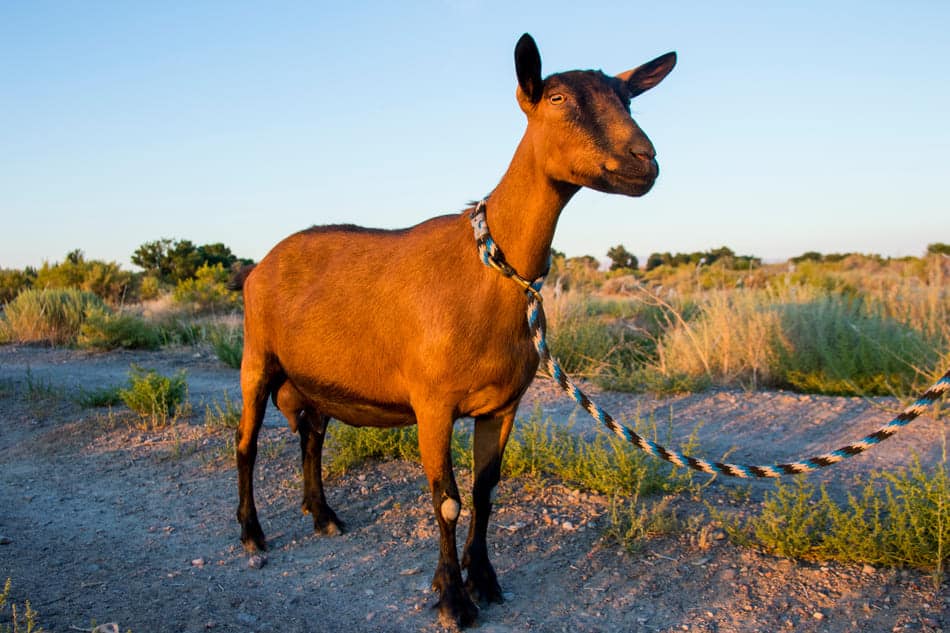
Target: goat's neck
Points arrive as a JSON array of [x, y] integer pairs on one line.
[[523, 211]]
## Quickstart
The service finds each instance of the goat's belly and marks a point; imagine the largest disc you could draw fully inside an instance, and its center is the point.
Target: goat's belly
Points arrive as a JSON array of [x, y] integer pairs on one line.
[[356, 410]]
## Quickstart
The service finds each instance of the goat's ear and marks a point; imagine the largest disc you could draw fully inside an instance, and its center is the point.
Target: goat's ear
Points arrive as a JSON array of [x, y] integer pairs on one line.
[[644, 77], [528, 68]]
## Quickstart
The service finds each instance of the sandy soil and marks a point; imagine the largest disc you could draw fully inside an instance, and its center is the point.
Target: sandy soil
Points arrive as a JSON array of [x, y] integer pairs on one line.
[[103, 522]]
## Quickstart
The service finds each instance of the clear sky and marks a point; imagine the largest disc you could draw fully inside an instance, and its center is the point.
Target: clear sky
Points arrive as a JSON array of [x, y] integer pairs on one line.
[[812, 126]]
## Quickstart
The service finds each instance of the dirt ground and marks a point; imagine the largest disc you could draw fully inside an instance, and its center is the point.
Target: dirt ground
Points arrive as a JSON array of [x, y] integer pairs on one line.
[[103, 522]]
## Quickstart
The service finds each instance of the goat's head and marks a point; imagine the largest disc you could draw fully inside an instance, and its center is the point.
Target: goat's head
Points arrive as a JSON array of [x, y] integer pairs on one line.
[[580, 124]]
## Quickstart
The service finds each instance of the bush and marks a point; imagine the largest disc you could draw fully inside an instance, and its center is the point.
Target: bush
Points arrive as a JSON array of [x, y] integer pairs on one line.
[[154, 397], [207, 291], [104, 279], [900, 518], [104, 330], [13, 281], [53, 316]]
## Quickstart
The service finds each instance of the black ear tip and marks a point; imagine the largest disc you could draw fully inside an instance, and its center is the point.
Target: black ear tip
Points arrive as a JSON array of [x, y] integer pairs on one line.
[[526, 45]]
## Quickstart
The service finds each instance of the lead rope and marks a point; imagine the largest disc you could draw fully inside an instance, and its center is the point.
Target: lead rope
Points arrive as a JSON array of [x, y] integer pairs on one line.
[[491, 256]]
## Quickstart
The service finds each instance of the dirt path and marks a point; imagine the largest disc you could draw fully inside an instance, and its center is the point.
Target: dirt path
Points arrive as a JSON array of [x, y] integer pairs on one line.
[[103, 522]]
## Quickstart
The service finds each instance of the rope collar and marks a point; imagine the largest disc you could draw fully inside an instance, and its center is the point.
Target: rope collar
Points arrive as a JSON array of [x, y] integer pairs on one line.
[[491, 254]]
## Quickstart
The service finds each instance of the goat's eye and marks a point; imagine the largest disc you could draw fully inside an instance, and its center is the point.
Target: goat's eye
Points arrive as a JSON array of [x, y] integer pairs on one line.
[[556, 98]]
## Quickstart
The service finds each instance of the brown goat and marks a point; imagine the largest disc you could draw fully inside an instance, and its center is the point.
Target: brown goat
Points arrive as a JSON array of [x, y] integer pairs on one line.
[[389, 328]]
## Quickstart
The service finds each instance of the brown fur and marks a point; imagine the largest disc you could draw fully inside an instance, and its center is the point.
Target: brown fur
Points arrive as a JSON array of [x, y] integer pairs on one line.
[[389, 328]]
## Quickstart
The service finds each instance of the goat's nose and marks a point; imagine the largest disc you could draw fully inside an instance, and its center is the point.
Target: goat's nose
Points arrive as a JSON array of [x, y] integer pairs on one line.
[[646, 154]]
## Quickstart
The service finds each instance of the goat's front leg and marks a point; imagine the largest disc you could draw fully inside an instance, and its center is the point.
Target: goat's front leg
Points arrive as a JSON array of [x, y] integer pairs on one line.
[[491, 436], [435, 438]]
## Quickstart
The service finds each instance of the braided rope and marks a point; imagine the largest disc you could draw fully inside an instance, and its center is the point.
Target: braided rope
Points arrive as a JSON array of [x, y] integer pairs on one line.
[[491, 256]]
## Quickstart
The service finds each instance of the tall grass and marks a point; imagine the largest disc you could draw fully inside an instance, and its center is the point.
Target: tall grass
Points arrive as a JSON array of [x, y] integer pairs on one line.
[[815, 333], [53, 316]]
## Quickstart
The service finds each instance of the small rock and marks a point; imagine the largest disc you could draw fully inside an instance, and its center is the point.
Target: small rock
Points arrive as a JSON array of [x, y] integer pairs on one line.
[[370, 592], [868, 570], [198, 562], [5, 540], [411, 571], [701, 561], [246, 618], [567, 525], [818, 615], [256, 561]]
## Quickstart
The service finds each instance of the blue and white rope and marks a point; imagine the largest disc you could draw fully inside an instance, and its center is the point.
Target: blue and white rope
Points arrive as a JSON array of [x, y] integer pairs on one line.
[[491, 256]]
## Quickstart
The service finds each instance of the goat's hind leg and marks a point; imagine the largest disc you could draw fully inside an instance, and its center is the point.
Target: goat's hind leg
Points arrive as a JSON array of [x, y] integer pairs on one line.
[[254, 391], [491, 436], [312, 426]]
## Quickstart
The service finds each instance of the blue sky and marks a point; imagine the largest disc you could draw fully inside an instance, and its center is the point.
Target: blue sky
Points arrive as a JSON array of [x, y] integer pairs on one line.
[[813, 126]]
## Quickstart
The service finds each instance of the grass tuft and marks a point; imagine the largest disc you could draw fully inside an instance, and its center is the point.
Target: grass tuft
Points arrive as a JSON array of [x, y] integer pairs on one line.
[[12, 619]]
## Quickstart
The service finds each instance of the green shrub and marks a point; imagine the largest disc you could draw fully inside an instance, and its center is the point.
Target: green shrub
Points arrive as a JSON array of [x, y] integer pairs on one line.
[[105, 330], [53, 316], [207, 291], [156, 398], [900, 518]]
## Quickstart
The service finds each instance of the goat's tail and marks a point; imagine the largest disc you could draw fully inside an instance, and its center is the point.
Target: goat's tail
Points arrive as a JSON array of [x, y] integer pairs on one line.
[[238, 276]]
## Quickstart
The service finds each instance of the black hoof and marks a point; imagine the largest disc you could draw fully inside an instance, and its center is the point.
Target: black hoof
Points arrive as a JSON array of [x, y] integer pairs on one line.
[[483, 585], [325, 521], [252, 537], [456, 608]]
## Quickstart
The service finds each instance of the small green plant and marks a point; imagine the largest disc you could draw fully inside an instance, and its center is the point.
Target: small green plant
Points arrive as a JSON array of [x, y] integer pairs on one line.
[[223, 415], [156, 398], [18, 622], [630, 521]]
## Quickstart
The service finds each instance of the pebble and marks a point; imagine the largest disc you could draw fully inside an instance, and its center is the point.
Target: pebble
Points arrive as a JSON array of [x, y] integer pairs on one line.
[[868, 570], [198, 562], [567, 525], [5, 540], [246, 618], [410, 571], [818, 615], [256, 561]]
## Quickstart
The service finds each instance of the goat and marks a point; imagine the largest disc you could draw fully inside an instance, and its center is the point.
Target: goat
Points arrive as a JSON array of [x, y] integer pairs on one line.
[[390, 328]]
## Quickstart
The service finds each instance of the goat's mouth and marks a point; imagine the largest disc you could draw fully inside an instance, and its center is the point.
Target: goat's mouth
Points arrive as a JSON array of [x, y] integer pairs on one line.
[[633, 180]]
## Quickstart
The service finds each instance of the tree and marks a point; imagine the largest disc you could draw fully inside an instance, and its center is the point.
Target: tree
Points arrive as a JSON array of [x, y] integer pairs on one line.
[[217, 253], [173, 261], [621, 258], [938, 248]]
